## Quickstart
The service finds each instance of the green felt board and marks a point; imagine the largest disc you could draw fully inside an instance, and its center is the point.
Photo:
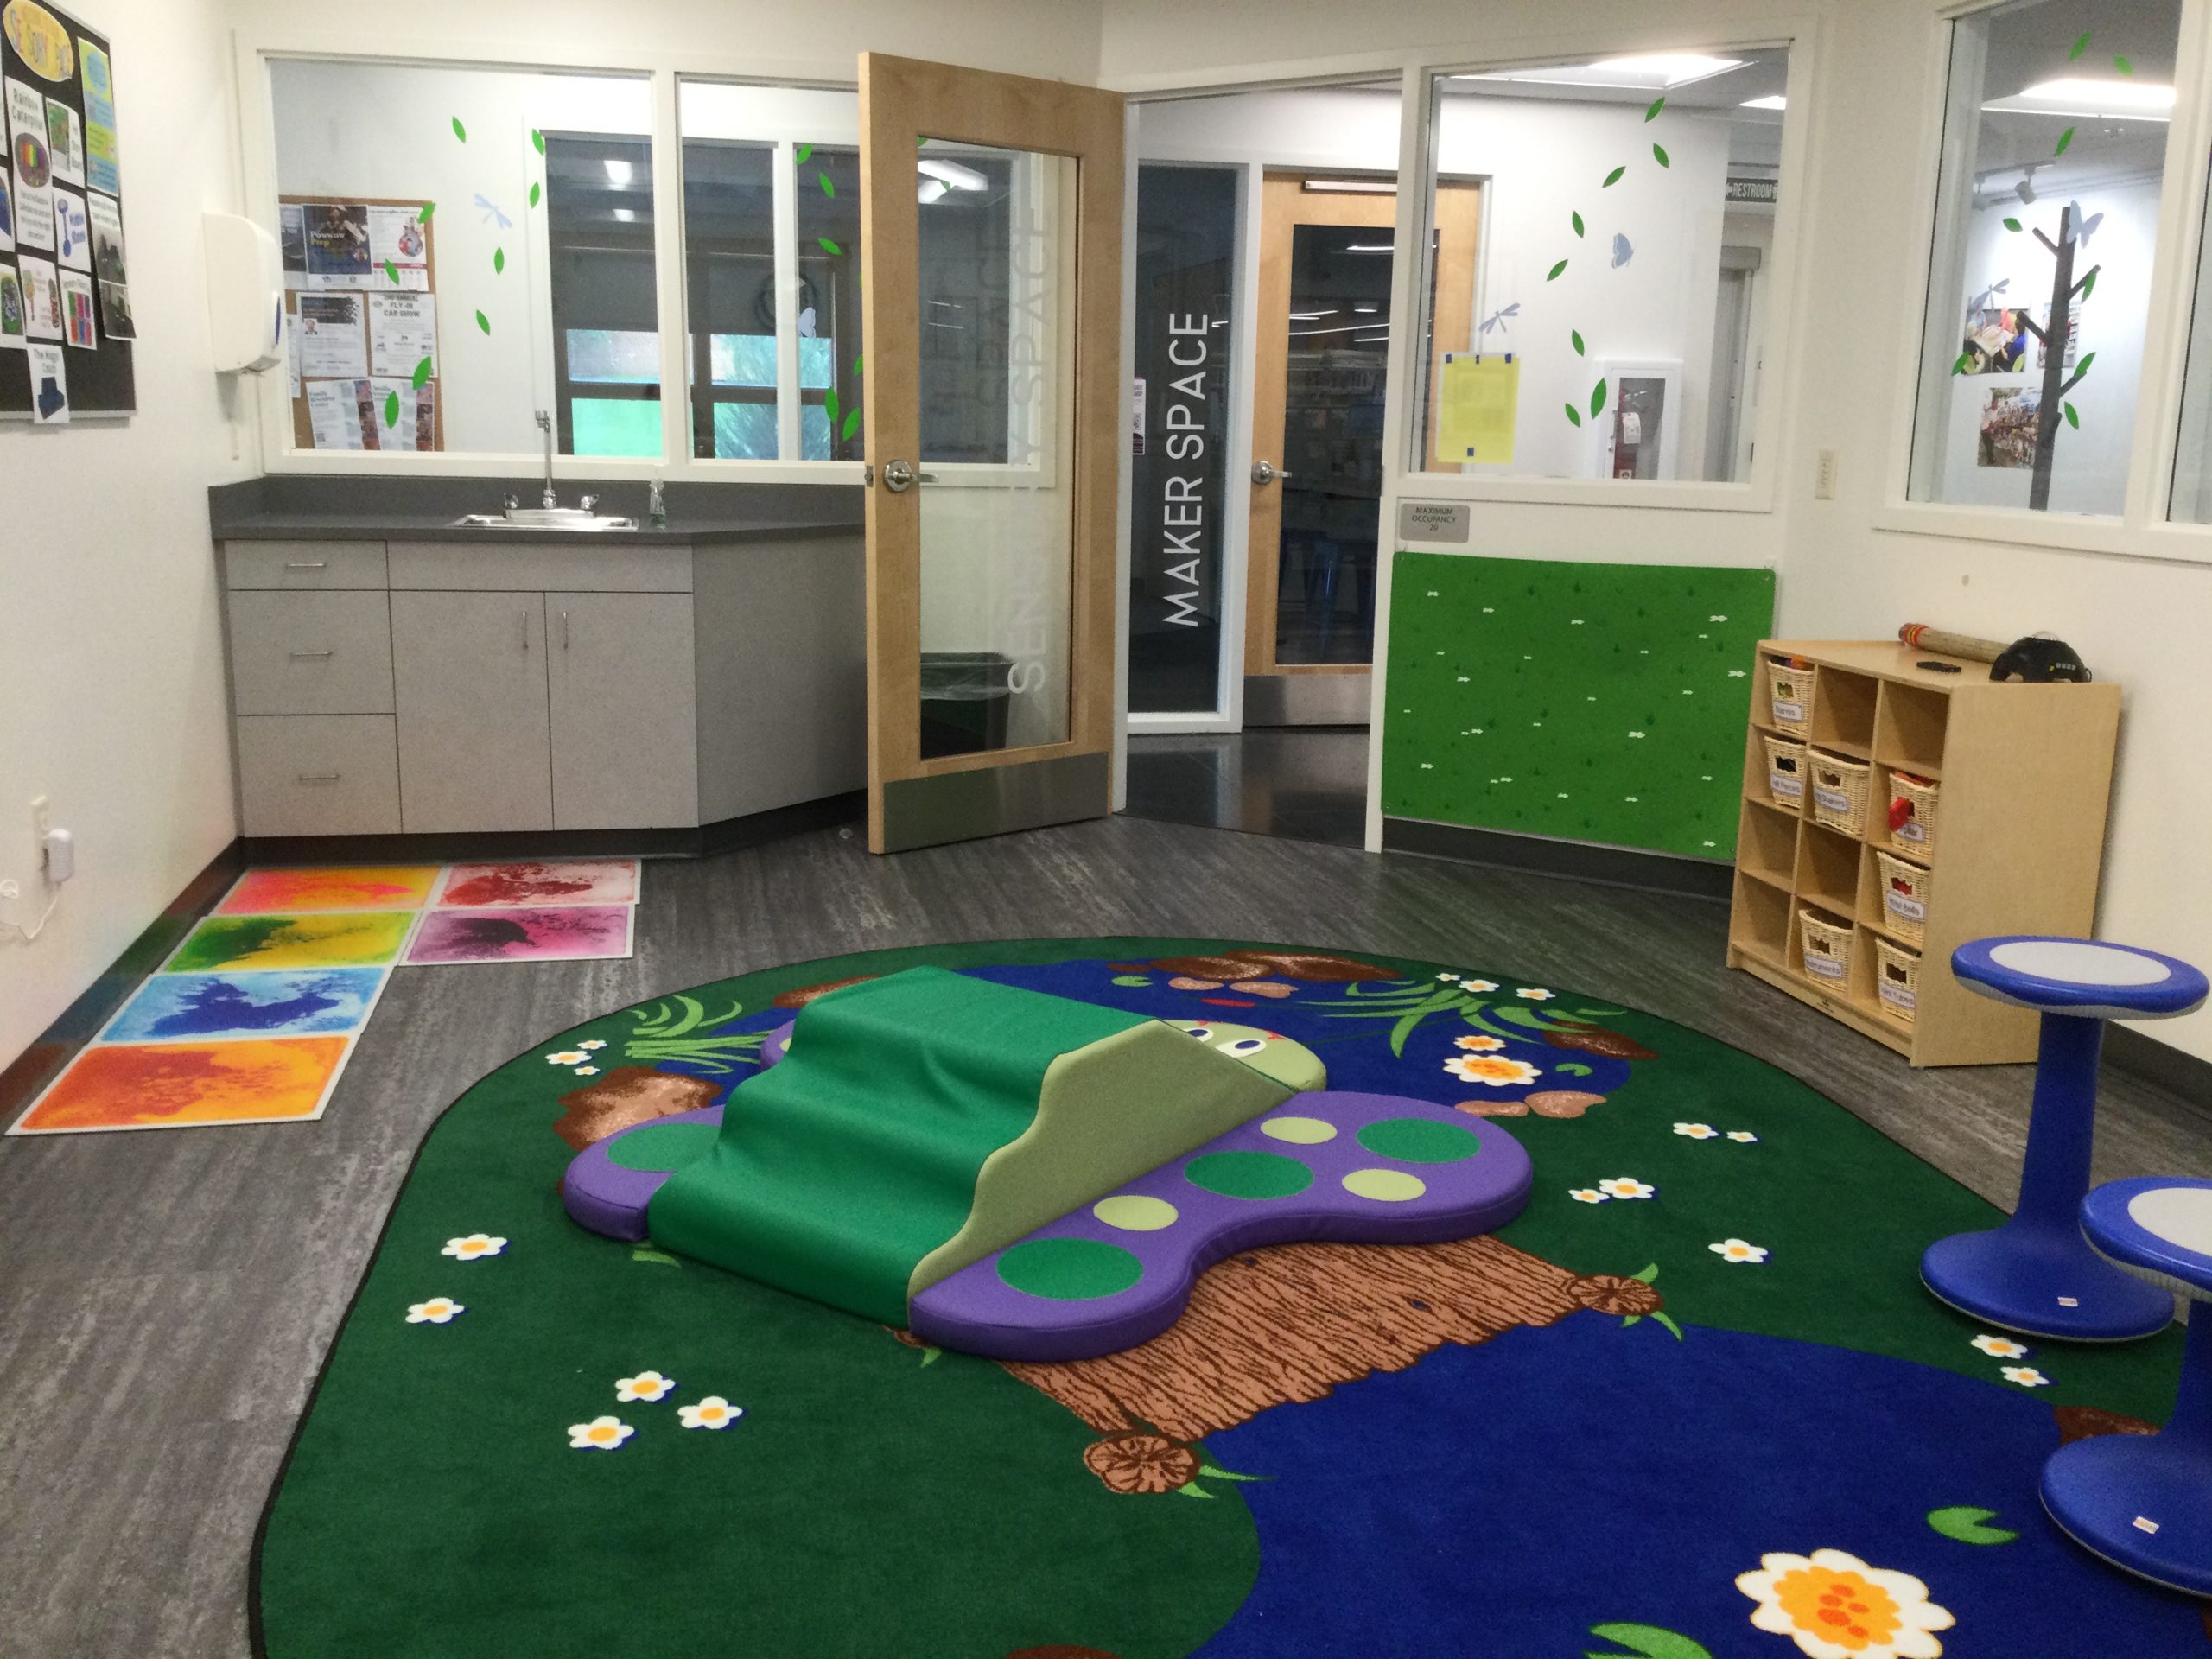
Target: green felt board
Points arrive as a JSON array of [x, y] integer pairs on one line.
[[1517, 686]]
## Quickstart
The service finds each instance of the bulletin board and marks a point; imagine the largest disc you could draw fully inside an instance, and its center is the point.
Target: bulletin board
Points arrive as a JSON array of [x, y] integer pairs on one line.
[[362, 323], [1597, 703], [66, 326]]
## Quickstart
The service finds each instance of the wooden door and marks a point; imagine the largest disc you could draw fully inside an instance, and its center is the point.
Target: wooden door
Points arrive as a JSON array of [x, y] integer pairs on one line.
[[468, 676], [624, 711], [991, 208], [1319, 378]]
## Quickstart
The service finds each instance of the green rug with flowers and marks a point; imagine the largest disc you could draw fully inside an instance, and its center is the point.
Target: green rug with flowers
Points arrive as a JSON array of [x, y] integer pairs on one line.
[[1692, 1403]]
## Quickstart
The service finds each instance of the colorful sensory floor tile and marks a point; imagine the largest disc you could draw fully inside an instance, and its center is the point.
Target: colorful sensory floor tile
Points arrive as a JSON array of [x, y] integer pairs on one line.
[[254, 1016]]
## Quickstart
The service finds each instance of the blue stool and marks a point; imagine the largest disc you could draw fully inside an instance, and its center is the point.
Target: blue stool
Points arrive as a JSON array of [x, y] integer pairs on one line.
[[2035, 1274], [2144, 1503]]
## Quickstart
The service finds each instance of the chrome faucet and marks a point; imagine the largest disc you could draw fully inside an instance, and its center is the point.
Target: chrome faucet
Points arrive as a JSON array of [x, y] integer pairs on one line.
[[545, 425]]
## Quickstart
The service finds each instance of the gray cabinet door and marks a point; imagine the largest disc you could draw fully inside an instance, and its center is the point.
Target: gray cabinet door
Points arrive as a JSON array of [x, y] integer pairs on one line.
[[625, 711], [468, 673]]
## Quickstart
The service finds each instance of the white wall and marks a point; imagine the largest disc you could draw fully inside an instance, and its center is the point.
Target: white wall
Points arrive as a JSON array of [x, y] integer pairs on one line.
[[111, 675]]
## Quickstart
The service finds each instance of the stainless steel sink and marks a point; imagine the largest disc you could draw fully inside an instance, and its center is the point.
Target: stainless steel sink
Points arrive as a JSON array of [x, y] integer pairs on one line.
[[544, 519]]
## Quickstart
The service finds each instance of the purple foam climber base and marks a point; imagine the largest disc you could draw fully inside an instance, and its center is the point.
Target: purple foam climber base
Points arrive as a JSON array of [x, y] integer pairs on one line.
[[607, 1196], [1376, 1169]]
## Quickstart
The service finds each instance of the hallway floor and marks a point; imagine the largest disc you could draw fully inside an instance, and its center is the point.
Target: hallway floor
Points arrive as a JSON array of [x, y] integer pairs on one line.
[[168, 1295]]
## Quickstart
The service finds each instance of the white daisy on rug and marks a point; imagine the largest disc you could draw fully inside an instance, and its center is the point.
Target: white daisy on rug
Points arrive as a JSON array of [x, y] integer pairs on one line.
[[1743, 1135], [1696, 1131], [568, 1057], [2002, 1347], [587, 1070], [713, 1412], [1587, 1195], [473, 1247], [1478, 984], [593, 1043], [1535, 995], [1479, 1045], [439, 1310], [1735, 1249], [648, 1386], [1447, 977], [1626, 1187], [2027, 1375], [1489, 1069], [1834, 1606], [600, 1434]]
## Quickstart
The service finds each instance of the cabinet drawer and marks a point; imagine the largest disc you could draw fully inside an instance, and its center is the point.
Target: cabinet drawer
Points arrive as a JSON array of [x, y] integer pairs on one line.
[[319, 775], [580, 565], [303, 564], [311, 653]]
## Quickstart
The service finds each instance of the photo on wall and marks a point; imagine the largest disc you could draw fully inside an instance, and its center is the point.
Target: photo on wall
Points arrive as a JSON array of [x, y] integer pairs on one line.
[[337, 245], [12, 331], [2008, 427], [76, 323], [6, 214], [65, 140], [41, 298], [2073, 332], [1996, 342]]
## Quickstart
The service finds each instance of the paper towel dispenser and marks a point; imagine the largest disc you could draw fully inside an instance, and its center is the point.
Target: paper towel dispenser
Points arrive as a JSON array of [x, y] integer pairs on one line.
[[246, 294]]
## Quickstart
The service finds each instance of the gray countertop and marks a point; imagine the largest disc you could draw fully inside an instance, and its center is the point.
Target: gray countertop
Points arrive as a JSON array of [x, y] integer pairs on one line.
[[317, 507]]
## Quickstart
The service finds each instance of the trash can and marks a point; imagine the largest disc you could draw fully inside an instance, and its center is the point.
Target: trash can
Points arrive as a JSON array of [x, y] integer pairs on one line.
[[964, 697]]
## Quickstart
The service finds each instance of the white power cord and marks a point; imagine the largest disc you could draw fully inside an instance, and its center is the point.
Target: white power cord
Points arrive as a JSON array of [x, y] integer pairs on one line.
[[10, 893]]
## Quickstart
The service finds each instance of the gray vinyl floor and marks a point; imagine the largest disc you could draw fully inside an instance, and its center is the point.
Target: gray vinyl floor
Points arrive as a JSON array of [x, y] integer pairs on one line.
[[166, 1297]]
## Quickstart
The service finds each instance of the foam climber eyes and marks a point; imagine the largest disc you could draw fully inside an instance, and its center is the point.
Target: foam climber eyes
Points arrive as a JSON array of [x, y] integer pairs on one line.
[[1204, 1034], [1244, 1045]]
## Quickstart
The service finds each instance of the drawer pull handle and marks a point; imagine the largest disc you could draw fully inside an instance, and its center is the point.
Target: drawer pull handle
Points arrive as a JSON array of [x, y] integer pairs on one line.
[[307, 564], [318, 777], [306, 656]]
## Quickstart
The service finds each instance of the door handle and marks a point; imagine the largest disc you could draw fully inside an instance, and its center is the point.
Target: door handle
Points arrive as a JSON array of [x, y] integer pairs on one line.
[[899, 476], [564, 630], [522, 629], [318, 777], [307, 564], [309, 655], [1266, 472]]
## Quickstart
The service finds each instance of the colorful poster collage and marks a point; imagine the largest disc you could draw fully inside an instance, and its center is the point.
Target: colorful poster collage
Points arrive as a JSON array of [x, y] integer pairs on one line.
[[361, 323], [64, 275], [253, 1017]]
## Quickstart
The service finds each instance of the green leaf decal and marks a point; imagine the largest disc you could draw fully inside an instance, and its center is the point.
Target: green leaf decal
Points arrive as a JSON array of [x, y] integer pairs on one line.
[[2073, 419], [1649, 1641], [1552, 276], [423, 218], [498, 261], [2080, 47], [1659, 155], [829, 188], [1576, 336], [2089, 282], [537, 141], [1577, 219], [1597, 400], [392, 271], [1612, 178], [830, 402], [535, 192], [857, 365], [391, 409], [2123, 66], [484, 322], [2082, 367], [422, 372], [1573, 414], [852, 423], [2011, 224], [828, 246], [1965, 361], [1657, 105], [1968, 1525], [2064, 139], [802, 153], [460, 132]]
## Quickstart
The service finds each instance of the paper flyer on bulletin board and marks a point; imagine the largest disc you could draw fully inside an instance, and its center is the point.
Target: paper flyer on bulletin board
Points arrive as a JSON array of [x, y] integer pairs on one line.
[[1478, 398], [66, 326], [360, 323]]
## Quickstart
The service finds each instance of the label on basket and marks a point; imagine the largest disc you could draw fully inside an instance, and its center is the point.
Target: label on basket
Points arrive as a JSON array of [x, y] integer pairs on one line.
[[1823, 966], [1905, 905], [1788, 713], [1786, 785], [1910, 829], [1898, 996], [1833, 799]]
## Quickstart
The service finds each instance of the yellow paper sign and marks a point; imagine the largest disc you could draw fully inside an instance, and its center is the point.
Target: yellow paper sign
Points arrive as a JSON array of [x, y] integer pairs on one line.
[[1477, 398], [39, 39]]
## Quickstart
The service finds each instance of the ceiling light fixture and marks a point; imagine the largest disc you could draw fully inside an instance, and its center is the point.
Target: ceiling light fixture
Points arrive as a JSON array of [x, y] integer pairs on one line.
[[618, 173], [1648, 72], [952, 175], [1312, 316], [1771, 101], [626, 215], [931, 190], [1351, 186], [2112, 100], [1368, 247]]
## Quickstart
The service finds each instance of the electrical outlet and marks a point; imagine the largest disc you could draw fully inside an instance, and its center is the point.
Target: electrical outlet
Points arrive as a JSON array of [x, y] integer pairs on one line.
[[1824, 476]]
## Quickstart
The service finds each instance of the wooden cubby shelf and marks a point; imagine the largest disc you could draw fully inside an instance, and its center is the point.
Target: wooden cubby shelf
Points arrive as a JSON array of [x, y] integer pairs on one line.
[[2021, 775]]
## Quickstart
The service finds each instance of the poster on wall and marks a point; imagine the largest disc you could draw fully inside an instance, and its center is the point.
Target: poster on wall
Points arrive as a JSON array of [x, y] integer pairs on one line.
[[338, 245], [12, 332], [292, 245], [332, 342], [361, 323], [1996, 341], [334, 415], [2073, 333], [399, 247], [62, 213], [2007, 438], [403, 331]]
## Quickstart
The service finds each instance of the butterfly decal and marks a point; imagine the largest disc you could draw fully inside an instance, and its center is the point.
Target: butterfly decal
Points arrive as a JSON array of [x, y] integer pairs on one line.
[[2079, 230], [1622, 251]]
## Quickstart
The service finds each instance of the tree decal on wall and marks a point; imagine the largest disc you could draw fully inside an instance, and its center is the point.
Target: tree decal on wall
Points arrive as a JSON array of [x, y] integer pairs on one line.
[[844, 423], [1622, 253]]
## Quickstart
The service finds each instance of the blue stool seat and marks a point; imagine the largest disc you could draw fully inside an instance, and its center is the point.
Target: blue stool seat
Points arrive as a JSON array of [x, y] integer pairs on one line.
[[2035, 1274], [2146, 1503]]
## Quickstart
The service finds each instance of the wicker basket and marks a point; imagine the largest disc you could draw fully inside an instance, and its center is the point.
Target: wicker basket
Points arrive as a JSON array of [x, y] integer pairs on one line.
[[1790, 691], [1897, 979], [1827, 948], [1917, 835], [1785, 772], [1905, 892], [1839, 792]]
